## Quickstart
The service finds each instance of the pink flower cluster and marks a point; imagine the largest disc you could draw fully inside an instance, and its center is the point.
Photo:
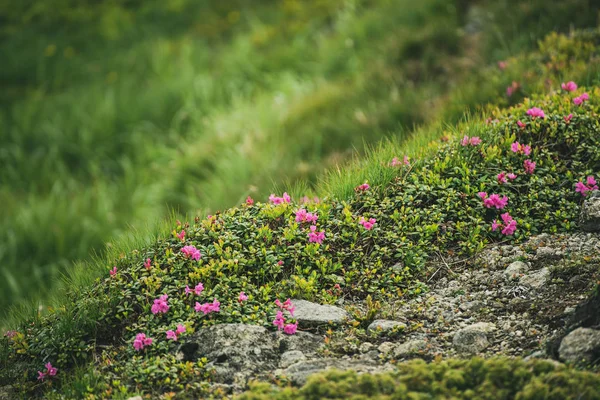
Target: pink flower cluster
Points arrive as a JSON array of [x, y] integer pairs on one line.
[[113, 271], [315, 236], [473, 141], [493, 200], [519, 148], [279, 321], [196, 290], [242, 297], [580, 99], [181, 235], [303, 216], [174, 335], [568, 118], [589, 186], [536, 112], [503, 175], [396, 162], [207, 308], [10, 334], [50, 371], [280, 200], [569, 86], [362, 188], [367, 224], [529, 166], [141, 341], [148, 263], [306, 200], [249, 201], [160, 305], [510, 90], [520, 124], [508, 224], [191, 252]]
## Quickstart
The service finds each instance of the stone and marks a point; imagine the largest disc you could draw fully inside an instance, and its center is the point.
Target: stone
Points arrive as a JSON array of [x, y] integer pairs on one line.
[[473, 339], [589, 219], [299, 372], [291, 357], [536, 279], [409, 348], [310, 314], [366, 347], [385, 326], [135, 398], [386, 347], [306, 342], [581, 345], [515, 269]]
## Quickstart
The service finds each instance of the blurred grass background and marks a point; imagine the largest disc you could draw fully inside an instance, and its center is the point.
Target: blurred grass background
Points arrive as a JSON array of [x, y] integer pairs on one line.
[[113, 113]]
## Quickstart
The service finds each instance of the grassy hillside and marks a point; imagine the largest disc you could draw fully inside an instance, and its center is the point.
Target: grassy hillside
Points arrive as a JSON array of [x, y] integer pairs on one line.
[[431, 205], [114, 113]]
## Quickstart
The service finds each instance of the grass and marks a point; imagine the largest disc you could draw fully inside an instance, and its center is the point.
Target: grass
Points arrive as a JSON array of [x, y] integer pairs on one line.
[[108, 126]]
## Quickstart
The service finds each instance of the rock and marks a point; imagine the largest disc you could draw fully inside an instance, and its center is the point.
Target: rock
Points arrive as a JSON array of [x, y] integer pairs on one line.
[[386, 347], [515, 269], [581, 345], [311, 314], [291, 357], [136, 398], [536, 279], [409, 348], [306, 342], [589, 219], [366, 347], [473, 339], [385, 326], [299, 372], [7, 393]]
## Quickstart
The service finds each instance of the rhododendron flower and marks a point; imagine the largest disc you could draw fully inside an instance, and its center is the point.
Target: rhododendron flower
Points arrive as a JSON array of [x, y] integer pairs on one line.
[[171, 335], [148, 263], [521, 125], [286, 305], [10, 334], [181, 235], [396, 162], [206, 308], [473, 141], [508, 224], [50, 371], [529, 166], [511, 176], [280, 262], [580, 99], [41, 376], [502, 65], [290, 329], [197, 290], [280, 200], [493, 200], [568, 118], [191, 252], [279, 321], [512, 88], [160, 305], [141, 341], [569, 86], [303, 216], [536, 112], [113, 271], [315, 236], [363, 187], [367, 224], [249, 201], [518, 148], [242, 297], [501, 177], [589, 186], [180, 329]]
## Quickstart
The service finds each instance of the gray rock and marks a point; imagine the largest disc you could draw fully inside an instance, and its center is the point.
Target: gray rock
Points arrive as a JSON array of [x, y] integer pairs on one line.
[[311, 314], [409, 348], [515, 269], [385, 326], [307, 343], [135, 398], [7, 393], [299, 372], [536, 279], [386, 347], [589, 219], [581, 345], [366, 347], [291, 357], [473, 339]]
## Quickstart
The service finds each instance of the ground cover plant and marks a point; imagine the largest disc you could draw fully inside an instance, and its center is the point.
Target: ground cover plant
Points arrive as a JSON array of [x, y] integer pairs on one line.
[[520, 171], [109, 123]]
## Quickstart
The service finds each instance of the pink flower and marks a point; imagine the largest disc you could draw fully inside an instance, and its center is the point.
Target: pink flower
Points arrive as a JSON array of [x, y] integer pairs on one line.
[[249, 201], [279, 321], [529, 166], [280, 262], [41, 376], [315, 236], [518, 148], [242, 297], [141, 341], [180, 329], [303, 216], [196, 290], [148, 263], [395, 162], [511, 176], [495, 225], [290, 329], [501, 177], [493, 200], [181, 235], [207, 308], [536, 112], [568, 118], [569, 86], [160, 305], [191, 252], [580, 99], [365, 186], [367, 224], [10, 334], [286, 305], [171, 335], [279, 200], [113, 271], [512, 88], [589, 186], [508, 224], [473, 141], [502, 65]]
